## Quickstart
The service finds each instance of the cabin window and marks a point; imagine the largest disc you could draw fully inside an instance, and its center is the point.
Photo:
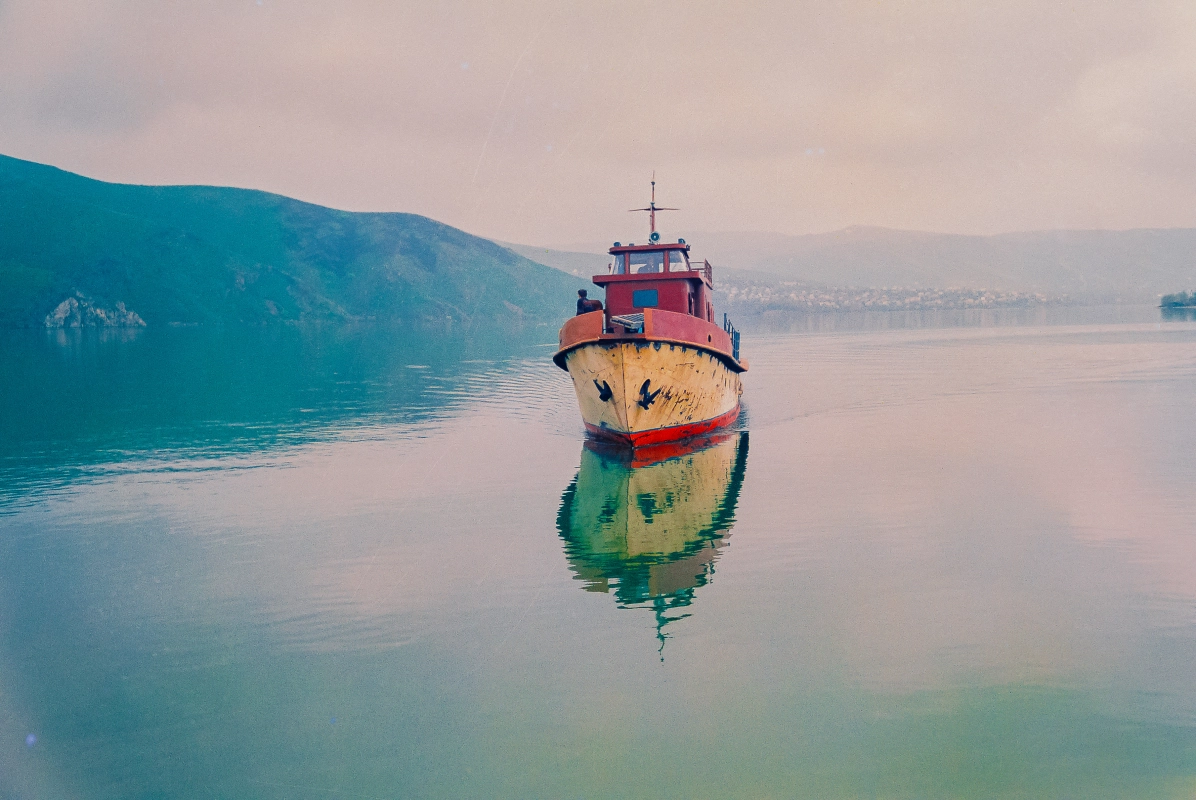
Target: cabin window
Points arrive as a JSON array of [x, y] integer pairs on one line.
[[677, 261], [645, 298], [617, 265], [646, 262]]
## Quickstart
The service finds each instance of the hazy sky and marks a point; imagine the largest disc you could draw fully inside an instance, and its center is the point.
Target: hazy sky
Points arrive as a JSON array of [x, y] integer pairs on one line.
[[541, 122]]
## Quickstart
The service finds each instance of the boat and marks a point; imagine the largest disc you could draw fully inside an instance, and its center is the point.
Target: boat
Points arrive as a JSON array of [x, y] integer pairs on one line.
[[652, 365]]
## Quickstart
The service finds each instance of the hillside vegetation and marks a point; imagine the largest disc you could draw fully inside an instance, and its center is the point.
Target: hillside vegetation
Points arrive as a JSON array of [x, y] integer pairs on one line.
[[198, 254]]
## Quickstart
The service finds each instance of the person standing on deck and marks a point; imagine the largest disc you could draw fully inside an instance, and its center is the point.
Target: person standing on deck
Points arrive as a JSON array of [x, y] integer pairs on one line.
[[585, 305]]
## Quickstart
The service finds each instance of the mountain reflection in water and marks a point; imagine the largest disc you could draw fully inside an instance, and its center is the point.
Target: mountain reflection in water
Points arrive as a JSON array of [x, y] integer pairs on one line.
[[651, 523]]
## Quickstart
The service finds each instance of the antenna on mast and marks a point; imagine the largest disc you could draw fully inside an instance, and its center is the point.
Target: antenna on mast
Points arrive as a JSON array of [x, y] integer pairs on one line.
[[652, 209]]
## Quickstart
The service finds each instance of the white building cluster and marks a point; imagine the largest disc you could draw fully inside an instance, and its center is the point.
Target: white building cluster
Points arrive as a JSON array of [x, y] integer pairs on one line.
[[760, 296]]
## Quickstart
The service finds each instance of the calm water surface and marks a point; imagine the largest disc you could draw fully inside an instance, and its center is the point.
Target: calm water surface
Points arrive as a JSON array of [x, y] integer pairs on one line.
[[932, 562]]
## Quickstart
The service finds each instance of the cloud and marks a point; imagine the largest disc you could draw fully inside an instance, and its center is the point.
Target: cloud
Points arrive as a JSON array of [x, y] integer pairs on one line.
[[963, 117]]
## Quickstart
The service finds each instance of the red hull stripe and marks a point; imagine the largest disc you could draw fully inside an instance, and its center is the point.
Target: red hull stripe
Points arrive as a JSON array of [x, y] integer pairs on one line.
[[670, 434]]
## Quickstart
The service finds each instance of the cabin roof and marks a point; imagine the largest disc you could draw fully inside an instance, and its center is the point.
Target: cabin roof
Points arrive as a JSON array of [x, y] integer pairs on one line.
[[648, 277], [638, 248]]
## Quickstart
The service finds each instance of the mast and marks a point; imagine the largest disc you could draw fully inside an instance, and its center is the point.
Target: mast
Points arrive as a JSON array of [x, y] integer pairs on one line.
[[653, 236]]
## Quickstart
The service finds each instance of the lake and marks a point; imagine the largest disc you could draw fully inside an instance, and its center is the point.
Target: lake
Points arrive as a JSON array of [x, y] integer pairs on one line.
[[939, 557]]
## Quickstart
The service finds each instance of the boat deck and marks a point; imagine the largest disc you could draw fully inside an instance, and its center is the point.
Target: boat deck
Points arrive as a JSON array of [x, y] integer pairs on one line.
[[656, 325]]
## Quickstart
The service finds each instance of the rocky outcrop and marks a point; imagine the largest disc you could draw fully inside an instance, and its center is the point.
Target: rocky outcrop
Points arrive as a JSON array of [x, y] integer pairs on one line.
[[81, 311]]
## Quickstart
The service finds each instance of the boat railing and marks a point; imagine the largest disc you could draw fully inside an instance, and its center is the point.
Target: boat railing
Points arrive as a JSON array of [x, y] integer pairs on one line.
[[703, 268], [732, 332]]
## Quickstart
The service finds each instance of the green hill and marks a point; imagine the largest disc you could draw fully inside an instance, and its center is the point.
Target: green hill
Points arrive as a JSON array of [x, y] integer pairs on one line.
[[199, 254]]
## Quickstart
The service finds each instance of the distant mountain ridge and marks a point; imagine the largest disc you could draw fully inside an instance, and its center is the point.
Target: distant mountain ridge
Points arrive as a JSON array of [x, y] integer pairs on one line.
[[1131, 265], [747, 293], [196, 254], [1135, 264]]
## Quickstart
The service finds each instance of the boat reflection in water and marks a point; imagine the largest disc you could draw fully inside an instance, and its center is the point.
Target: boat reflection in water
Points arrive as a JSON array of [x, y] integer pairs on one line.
[[650, 523]]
